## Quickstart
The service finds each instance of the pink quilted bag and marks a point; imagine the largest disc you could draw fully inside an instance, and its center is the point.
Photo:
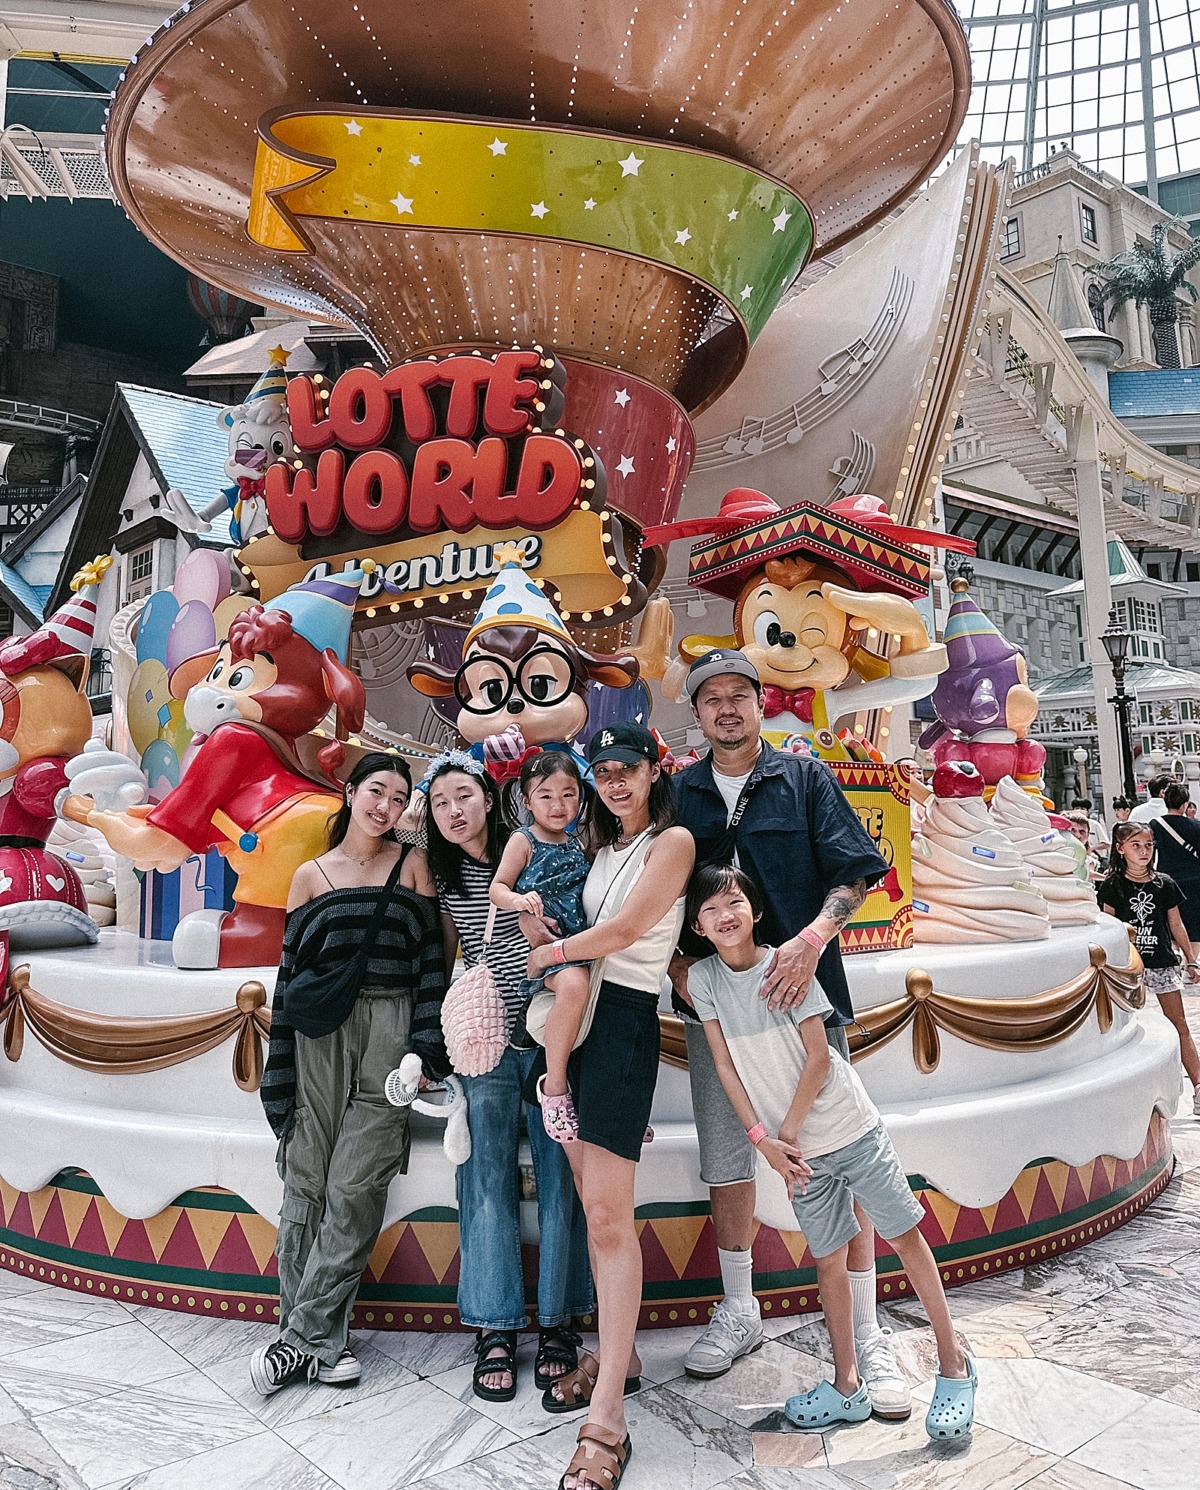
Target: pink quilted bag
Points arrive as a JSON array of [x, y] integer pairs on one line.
[[474, 1020]]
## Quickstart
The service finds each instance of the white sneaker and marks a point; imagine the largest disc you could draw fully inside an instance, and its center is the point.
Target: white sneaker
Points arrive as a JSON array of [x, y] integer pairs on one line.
[[344, 1371], [886, 1387], [730, 1334]]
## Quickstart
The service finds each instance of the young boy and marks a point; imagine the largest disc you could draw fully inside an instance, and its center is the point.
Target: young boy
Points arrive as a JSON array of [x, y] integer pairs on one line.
[[808, 1115]]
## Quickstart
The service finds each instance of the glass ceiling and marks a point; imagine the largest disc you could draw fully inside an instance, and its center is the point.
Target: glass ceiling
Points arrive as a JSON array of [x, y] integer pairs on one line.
[[1088, 74]]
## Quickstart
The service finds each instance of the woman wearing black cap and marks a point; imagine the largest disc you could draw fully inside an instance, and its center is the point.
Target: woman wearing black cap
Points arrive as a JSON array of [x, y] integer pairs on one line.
[[634, 900]]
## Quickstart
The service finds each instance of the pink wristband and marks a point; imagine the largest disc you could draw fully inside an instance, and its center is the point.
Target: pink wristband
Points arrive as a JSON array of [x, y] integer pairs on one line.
[[756, 1134], [557, 949], [812, 938]]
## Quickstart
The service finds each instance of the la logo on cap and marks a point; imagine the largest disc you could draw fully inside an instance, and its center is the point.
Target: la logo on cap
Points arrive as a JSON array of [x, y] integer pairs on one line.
[[606, 738]]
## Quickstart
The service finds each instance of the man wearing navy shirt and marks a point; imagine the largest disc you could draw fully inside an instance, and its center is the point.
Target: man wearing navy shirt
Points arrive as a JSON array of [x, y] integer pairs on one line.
[[784, 820]]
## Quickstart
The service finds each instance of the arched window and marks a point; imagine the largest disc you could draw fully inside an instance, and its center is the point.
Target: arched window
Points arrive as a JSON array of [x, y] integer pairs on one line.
[[1095, 298]]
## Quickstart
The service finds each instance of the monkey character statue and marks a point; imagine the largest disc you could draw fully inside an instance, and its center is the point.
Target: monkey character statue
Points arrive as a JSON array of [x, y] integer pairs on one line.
[[246, 791]]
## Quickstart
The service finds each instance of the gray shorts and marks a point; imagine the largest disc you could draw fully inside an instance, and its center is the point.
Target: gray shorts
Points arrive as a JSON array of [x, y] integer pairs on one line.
[[867, 1170], [726, 1154]]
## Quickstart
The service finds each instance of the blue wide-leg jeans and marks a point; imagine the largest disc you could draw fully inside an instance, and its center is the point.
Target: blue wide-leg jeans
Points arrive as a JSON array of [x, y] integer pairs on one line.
[[491, 1289]]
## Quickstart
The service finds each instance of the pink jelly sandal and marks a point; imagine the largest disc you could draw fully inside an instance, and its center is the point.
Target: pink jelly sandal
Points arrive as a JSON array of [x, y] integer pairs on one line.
[[559, 1117]]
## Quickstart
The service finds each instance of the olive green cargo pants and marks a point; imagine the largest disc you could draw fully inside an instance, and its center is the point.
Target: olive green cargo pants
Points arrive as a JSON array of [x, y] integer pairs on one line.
[[337, 1162]]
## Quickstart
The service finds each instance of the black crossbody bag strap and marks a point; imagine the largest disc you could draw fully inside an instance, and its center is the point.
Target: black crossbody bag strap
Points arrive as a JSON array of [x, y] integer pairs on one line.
[[724, 846], [376, 921]]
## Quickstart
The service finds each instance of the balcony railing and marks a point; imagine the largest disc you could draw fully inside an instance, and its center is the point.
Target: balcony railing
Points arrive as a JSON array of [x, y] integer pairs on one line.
[[21, 505]]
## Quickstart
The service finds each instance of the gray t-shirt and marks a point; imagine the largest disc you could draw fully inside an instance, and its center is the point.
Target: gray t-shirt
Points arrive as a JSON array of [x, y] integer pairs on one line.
[[768, 1054]]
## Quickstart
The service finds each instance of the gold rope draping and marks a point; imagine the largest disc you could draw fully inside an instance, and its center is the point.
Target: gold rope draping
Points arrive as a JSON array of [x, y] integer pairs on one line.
[[1031, 1023], [114, 1045]]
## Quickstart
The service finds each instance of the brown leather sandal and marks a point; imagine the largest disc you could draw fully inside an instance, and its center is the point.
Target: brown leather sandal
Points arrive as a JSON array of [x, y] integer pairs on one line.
[[577, 1386], [601, 1458]]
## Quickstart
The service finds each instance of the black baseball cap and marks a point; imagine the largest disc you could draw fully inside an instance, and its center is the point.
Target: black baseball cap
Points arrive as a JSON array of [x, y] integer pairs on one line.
[[631, 743], [713, 664]]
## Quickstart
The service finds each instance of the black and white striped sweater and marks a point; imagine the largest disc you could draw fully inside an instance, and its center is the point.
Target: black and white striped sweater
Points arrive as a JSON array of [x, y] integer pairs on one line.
[[408, 955]]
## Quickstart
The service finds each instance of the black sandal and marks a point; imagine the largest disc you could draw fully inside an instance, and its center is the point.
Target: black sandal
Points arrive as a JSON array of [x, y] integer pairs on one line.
[[557, 1346], [489, 1340]]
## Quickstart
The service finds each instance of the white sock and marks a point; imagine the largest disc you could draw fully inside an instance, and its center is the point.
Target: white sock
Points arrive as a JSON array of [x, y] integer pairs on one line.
[[862, 1293], [737, 1279]]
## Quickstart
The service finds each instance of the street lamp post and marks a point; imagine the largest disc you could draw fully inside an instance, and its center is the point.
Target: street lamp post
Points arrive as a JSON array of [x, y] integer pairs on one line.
[[1080, 756], [1116, 645]]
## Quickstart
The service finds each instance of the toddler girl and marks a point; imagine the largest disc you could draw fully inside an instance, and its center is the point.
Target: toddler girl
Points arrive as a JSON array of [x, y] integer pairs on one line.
[[1149, 902], [542, 872]]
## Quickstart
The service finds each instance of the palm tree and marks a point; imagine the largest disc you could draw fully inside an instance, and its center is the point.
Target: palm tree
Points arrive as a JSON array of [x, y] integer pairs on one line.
[[1153, 276]]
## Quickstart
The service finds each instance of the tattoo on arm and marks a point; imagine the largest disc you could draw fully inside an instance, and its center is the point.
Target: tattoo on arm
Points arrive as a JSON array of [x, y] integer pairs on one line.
[[843, 900]]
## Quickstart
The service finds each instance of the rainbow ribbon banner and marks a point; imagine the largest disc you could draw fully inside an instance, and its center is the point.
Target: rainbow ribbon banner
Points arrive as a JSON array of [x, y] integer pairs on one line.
[[741, 233]]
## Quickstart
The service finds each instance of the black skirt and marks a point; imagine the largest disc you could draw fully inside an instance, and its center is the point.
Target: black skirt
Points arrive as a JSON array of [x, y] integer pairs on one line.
[[613, 1073]]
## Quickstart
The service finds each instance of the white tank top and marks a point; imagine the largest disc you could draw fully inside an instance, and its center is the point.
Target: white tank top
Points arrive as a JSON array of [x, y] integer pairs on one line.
[[643, 965]]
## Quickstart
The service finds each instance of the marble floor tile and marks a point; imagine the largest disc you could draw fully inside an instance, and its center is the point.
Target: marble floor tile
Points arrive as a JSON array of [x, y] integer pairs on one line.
[[263, 1462], [202, 1341], [757, 1385], [768, 1477], [91, 1365], [142, 1428], [1158, 1448], [422, 1354], [12, 1284], [380, 1374], [676, 1446], [395, 1438], [27, 1461], [1067, 1475], [45, 1316], [901, 1456], [1044, 1404], [1132, 1351]]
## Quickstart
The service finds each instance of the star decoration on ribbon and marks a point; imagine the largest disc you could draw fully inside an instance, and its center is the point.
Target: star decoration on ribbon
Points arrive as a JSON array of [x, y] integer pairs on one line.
[[498, 146], [630, 165], [621, 396], [353, 127], [402, 204], [682, 236], [414, 160], [625, 466], [538, 209], [590, 204], [733, 214], [779, 222], [747, 291], [671, 445]]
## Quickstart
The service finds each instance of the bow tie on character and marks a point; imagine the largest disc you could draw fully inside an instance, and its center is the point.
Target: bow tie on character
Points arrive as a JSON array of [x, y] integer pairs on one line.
[[780, 701]]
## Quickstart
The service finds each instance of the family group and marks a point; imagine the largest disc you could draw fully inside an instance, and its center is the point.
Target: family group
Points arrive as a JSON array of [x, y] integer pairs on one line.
[[729, 881]]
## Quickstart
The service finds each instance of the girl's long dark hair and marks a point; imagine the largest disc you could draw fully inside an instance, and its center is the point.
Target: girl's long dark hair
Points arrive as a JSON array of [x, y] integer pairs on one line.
[[445, 858], [378, 760], [604, 829], [1120, 833]]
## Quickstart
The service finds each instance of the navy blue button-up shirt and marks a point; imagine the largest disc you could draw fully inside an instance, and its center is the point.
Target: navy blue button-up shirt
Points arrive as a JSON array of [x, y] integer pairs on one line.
[[798, 838]]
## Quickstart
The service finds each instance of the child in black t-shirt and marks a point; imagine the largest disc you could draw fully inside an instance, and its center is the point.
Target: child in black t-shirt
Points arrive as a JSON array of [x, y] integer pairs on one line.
[[1149, 902]]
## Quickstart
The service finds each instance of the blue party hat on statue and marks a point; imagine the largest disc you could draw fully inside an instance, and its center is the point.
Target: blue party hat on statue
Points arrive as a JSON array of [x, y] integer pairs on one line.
[[514, 600], [322, 609]]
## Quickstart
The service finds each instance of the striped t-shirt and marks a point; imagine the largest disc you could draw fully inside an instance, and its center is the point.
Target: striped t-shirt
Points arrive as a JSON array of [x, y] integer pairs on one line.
[[768, 1054], [508, 951], [407, 955]]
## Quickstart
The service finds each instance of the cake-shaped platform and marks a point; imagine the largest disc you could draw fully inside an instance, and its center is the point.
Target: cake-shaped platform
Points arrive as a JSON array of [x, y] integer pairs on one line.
[[1026, 1093]]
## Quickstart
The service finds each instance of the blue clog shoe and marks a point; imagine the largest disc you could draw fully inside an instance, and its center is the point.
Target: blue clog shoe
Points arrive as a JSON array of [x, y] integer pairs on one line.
[[825, 1406], [952, 1410]]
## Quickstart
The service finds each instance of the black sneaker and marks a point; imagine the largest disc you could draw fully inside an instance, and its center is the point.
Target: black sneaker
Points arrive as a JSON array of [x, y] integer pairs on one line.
[[278, 1365], [344, 1372]]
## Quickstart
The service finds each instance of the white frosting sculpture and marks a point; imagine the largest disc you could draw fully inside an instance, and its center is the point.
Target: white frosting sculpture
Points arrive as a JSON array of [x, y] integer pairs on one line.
[[970, 884], [1052, 864]]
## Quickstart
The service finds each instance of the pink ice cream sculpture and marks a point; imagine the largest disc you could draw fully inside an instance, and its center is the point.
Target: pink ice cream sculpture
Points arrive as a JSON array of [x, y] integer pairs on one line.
[[983, 701]]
